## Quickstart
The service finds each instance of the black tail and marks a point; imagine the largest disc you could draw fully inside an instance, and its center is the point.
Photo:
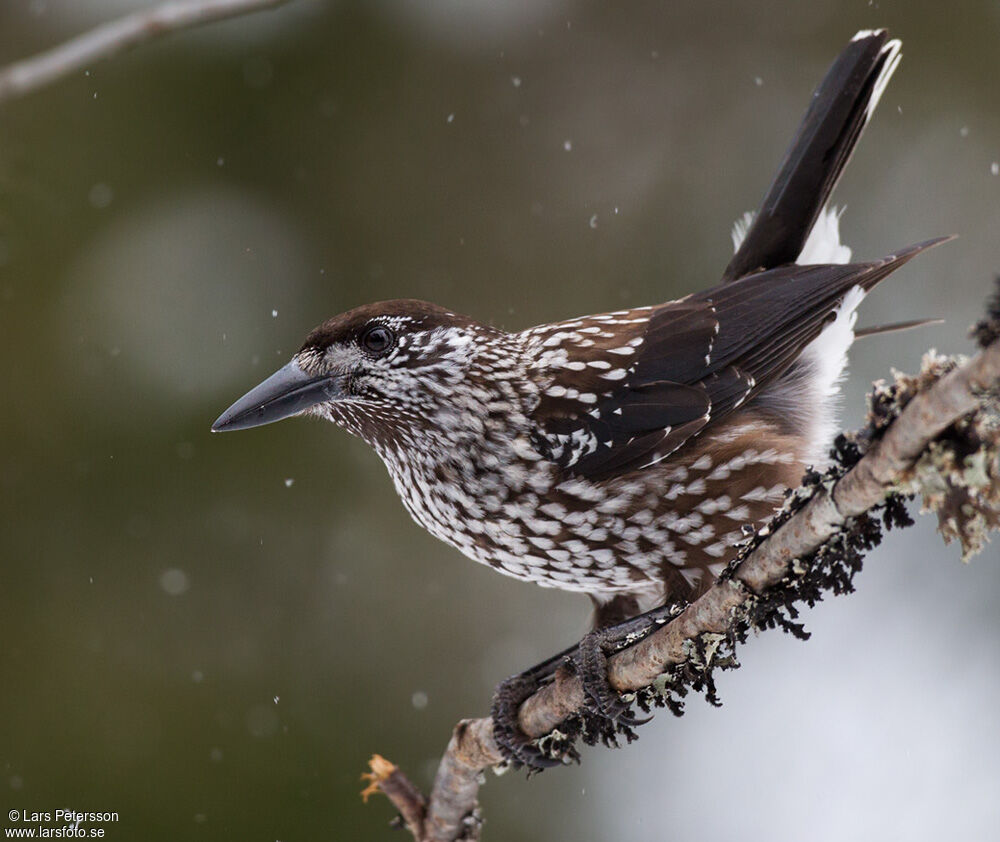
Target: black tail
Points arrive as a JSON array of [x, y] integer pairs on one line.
[[839, 110]]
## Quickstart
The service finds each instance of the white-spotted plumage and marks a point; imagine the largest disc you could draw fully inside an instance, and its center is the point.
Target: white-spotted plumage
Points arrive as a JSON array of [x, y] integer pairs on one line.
[[620, 454]]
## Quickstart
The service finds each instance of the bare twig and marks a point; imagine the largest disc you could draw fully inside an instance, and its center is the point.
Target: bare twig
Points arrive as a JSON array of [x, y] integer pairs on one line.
[[110, 39], [385, 777], [452, 810]]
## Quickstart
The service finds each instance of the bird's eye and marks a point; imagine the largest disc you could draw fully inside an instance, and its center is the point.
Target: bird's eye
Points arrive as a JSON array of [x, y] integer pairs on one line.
[[377, 339]]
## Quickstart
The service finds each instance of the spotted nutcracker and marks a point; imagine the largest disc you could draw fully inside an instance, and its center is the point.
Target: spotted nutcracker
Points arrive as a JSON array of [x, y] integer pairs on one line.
[[617, 455]]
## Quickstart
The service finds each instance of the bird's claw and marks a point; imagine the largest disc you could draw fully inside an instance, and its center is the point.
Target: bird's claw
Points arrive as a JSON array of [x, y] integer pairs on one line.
[[591, 664], [589, 660], [518, 748]]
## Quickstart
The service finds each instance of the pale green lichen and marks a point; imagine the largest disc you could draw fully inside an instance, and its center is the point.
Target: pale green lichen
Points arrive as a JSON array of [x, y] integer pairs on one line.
[[958, 476], [963, 491]]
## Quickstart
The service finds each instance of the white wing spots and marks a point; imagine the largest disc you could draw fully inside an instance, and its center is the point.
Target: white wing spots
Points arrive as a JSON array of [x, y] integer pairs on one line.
[[721, 472], [643, 517], [578, 548], [680, 525], [556, 339], [692, 575], [553, 358], [558, 391], [696, 487], [626, 350], [711, 339], [723, 545], [703, 463], [513, 567], [711, 505], [761, 494], [748, 457], [554, 510], [751, 383], [603, 558], [741, 514], [699, 536], [614, 504], [581, 490], [731, 434], [523, 448]]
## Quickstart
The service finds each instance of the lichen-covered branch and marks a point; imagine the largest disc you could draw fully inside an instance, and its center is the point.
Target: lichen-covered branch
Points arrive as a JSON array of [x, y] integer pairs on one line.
[[117, 36], [936, 434]]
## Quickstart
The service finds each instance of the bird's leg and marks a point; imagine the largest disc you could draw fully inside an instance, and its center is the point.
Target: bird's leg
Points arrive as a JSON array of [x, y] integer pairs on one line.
[[510, 694], [591, 660], [618, 625]]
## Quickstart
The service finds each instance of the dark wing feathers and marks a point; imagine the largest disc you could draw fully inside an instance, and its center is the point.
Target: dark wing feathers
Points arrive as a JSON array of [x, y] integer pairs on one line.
[[700, 358], [690, 328], [643, 407], [641, 451]]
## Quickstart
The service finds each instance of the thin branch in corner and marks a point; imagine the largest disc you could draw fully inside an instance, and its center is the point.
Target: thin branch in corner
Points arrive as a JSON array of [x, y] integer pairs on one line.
[[118, 36], [936, 434], [386, 778]]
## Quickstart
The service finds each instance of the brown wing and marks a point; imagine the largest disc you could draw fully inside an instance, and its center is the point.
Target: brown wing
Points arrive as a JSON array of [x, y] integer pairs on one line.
[[607, 410]]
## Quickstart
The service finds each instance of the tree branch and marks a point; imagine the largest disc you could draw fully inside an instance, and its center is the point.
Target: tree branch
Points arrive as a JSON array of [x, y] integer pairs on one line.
[[386, 778], [794, 558], [115, 37]]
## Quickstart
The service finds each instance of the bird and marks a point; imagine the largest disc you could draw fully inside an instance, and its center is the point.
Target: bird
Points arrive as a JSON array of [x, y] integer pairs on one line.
[[618, 455]]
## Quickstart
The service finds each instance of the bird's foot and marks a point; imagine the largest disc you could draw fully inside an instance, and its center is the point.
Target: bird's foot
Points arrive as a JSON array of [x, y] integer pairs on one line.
[[608, 713], [591, 664], [518, 748]]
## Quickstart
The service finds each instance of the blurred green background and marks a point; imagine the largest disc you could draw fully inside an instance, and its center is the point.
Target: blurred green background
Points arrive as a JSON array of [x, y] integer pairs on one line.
[[211, 634]]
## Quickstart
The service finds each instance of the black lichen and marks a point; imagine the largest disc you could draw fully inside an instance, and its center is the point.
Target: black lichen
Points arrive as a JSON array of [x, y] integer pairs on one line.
[[987, 330]]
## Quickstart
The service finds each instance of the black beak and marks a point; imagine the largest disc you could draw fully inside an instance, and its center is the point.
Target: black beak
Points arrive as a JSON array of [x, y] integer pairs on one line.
[[286, 392]]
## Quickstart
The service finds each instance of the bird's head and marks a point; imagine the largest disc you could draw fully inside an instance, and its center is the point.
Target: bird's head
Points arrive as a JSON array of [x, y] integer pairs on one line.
[[379, 371]]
